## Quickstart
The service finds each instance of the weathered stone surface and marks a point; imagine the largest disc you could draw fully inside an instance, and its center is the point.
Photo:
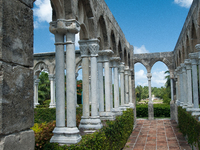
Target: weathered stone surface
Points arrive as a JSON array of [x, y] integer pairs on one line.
[[24, 140], [16, 32], [150, 111], [16, 98], [172, 111], [29, 3]]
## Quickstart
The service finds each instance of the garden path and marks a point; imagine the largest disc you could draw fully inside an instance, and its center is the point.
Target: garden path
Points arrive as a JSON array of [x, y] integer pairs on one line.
[[156, 135]]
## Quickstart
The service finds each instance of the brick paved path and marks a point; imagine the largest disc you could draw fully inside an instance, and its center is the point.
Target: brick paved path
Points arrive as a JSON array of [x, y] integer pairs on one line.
[[156, 135]]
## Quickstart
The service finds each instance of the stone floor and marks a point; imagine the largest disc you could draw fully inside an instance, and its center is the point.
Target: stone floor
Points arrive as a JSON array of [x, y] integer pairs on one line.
[[156, 135]]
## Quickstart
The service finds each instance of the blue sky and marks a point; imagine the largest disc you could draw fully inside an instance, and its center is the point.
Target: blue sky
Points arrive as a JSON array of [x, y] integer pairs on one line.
[[149, 25]]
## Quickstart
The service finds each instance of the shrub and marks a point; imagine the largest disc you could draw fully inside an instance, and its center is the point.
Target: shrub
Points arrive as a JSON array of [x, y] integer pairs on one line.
[[111, 137], [189, 126], [44, 115], [160, 110]]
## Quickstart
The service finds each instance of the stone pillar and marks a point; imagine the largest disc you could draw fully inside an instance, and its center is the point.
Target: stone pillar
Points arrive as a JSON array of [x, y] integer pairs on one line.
[[172, 104], [100, 83], [195, 81], [195, 110], [36, 83], [178, 85], [176, 102], [189, 83], [111, 88], [115, 61], [184, 81], [122, 83], [107, 115], [70, 134], [126, 85], [150, 104], [130, 90], [84, 123], [94, 48], [52, 84], [181, 86]]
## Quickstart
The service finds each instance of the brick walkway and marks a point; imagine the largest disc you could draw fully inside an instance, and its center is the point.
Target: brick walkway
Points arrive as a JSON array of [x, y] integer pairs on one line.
[[156, 135]]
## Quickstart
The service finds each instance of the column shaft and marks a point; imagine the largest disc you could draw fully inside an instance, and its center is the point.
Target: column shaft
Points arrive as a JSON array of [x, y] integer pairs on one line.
[[70, 78], [111, 88], [100, 87], [172, 89], [130, 89], [52, 85], [107, 86], [116, 87], [60, 85], [195, 86], [122, 84], [126, 87]]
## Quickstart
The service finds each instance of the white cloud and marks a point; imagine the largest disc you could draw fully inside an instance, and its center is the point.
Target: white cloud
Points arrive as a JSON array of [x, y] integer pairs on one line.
[[157, 79], [139, 50], [184, 3], [42, 12]]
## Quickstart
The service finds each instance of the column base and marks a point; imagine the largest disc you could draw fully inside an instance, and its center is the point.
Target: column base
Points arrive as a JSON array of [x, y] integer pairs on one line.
[[65, 136], [52, 105], [107, 116], [24, 140], [177, 102], [90, 123], [195, 111], [131, 105], [150, 111], [36, 104], [117, 111]]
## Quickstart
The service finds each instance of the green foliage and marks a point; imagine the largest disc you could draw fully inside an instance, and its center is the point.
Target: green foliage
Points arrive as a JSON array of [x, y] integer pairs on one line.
[[160, 110], [43, 88], [141, 93], [111, 137], [189, 126], [44, 115]]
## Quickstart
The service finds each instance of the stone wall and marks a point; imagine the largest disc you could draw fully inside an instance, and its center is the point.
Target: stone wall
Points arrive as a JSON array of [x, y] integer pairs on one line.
[[16, 77]]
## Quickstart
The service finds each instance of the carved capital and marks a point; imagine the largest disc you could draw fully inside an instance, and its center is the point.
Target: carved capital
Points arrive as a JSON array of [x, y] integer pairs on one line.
[[83, 48], [121, 68], [51, 77], [93, 47], [106, 54], [126, 70], [197, 47], [63, 26], [37, 81], [115, 61], [188, 64], [183, 68], [149, 75]]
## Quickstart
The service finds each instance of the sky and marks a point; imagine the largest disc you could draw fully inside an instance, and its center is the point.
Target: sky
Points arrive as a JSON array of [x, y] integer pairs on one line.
[[149, 25]]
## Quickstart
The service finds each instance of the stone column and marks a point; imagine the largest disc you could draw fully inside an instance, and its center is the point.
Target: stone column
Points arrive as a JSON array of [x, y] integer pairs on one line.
[[178, 89], [122, 83], [52, 84], [130, 90], [172, 104], [76, 103], [195, 81], [150, 104], [176, 101], [184, 81], [85, 119], [126, 85], [107, 115], [60, 129], [36, 83], [70, 134], [116, 61], [100, 83], [195, 110], [111, 88], [94, 48], [181, 86], [189, 83]]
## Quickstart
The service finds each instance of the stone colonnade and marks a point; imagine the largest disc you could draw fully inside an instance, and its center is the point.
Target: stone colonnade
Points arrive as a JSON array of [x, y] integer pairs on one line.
[[94, 61], [186, 77]]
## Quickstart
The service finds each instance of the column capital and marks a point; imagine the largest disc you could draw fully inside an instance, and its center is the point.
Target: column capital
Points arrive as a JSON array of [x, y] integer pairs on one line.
[[63, 26], [197, 47], [51, 77], [126, 70], [115, 61], [106, 54], [193, 57], [188, 64], [121, 67], [93, 45], [83, 45], [37, 81], [149, 75], [183, 67]]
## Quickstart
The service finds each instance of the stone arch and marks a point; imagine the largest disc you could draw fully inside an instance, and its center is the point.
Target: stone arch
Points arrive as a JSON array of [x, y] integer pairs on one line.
[[125, 57], [193, 37], [163, 60], [120, 51], [113, 42], [83, 32], [102, 33], [39, 67], [141, 62], [58, 9]]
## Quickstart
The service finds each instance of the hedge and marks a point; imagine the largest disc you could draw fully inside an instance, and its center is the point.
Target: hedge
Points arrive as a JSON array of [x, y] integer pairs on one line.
[[49, 114], [189, 126], [160, 110], [113, 136]]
